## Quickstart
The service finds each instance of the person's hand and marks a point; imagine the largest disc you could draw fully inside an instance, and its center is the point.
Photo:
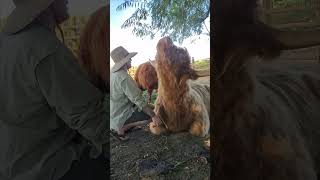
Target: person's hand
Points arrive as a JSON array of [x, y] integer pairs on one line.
[[156, 120]]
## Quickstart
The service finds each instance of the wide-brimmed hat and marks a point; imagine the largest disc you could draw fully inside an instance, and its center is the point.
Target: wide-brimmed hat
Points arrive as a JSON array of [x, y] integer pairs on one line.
[[24, 13], [120, 57]]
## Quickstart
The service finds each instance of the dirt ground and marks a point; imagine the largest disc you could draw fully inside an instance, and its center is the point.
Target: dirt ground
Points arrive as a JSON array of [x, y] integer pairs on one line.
[[149, 157]]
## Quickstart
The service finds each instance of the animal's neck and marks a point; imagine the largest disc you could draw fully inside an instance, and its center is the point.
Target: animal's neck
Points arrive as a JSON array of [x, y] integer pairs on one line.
[[174, 96], [235, 129], [172, 87], [236, 78], [234, 92]]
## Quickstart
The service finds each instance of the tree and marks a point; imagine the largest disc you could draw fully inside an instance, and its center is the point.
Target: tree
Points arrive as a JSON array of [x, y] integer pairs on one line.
[[178, 19]]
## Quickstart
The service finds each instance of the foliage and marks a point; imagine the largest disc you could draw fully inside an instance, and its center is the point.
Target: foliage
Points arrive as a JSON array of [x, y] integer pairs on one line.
[[132, 71], [287, 3], [153, 97], [300, 11], [201, 64], [178, 19]]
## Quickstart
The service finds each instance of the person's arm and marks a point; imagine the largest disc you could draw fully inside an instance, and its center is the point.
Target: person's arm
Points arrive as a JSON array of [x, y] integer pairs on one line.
[[134, 93], [74, 99], [148, 109]]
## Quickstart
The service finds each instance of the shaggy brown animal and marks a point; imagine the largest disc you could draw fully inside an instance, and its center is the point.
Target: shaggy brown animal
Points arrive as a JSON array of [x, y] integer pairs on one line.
[[146, 78], [94, 45], [266, 116], [182, 104]]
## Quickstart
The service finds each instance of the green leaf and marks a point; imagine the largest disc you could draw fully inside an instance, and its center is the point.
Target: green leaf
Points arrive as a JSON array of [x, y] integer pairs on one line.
[[178, 19]]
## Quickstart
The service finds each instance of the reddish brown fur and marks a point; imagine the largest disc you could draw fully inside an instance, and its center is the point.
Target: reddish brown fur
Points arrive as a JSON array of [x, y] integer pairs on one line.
[[174, 84], [94, 43], [146, 78], [248, 146], [174, 103]]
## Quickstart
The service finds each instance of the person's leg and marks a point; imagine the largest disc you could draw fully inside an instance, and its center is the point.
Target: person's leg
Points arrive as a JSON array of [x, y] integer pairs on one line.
[[137, 116], [134, 124], [136, 119], [87, 168]]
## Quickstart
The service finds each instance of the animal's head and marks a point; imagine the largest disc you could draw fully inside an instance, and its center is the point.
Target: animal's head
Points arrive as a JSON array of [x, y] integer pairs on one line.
[[94, 42], [146, 76], [175, 58]]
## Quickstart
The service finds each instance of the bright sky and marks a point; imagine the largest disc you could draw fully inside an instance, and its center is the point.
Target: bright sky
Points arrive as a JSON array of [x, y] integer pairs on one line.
[[146, 47]]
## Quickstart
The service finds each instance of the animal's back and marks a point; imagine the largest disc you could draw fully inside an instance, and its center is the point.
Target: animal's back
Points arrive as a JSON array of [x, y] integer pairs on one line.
[[203, 91], [288, 98], [200, 92]]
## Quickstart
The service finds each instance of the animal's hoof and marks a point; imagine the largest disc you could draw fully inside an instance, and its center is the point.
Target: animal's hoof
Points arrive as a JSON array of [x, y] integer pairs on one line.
[[196, 129], [154, 129]]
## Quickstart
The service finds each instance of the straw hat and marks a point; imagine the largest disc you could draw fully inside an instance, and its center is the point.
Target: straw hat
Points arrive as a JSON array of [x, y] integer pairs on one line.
[[24, 13], [120, 57]]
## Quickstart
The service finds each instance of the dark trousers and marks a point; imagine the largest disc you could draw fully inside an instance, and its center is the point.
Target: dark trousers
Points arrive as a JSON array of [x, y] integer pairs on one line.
[[88, 169], [137, 116]]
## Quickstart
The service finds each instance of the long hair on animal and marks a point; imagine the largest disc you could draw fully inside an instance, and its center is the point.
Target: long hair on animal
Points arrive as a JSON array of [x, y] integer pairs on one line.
[[94, 43], [173, 70]]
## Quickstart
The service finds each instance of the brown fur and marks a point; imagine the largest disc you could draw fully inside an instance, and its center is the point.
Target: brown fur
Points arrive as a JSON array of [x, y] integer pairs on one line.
[[146, 78], [181, 103], [254, 140], [94, 43]]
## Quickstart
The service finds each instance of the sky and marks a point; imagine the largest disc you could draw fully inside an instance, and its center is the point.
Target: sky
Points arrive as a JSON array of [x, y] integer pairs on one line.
[[146, 47]]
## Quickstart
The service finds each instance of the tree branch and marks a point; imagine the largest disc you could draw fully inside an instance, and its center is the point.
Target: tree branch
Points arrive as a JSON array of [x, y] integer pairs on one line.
[[206, 27]]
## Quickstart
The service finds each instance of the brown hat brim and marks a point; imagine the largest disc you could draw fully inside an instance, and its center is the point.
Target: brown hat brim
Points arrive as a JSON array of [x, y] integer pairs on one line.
[[121, 63], [24, 14]]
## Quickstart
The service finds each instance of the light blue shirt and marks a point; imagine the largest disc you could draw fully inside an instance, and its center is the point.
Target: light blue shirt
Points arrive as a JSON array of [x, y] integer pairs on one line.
[[125, 98]]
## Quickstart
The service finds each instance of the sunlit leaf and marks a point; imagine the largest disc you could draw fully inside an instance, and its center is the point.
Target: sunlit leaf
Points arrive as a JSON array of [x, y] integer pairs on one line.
[[178, 19]]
